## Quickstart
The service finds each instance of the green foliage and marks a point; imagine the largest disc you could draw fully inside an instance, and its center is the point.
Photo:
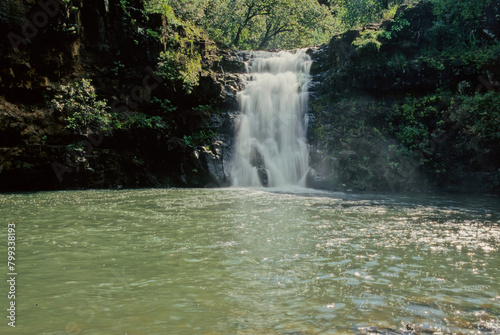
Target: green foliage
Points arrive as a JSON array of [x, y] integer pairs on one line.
[[124, 4], [477, 57], [260, 24], [457, 23], [321, 133], [165, 106], [143, 121], [399, 24], [368, 42], [117, 67], [153, 34], [440, 129], [162, 7], [176, 65], [76, 146], [200, 138], [179, 10], [415, 120], [390, 13], [361, 11], [274, 24], [205, 109], [479, 116], [440, 35], [85, 113], [181, 61], [397, 62], [462, 15], [434, 63], [364, 177]]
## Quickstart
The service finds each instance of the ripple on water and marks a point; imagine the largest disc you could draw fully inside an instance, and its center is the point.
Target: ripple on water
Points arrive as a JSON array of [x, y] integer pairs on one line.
[[239, 261]]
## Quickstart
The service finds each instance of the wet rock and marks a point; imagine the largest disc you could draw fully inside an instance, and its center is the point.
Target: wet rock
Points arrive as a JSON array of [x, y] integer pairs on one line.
[[317, 181], [263, 176], [213, 164], [348, 160], [215, 121], [256, 159], [207, 167], [232, 62]]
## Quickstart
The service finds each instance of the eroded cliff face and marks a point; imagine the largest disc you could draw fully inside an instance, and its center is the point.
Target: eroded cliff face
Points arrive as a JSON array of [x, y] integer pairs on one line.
[[385, 116], [51, 43]]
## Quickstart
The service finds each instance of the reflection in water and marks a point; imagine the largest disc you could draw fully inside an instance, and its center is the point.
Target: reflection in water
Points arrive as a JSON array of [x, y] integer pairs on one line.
[[243, 261]]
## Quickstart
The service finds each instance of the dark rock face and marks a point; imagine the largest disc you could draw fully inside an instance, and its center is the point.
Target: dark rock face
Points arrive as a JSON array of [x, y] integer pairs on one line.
[[207, 167], [96, 39], [48, 43], [211, 166], [349, 154], [351, 70]]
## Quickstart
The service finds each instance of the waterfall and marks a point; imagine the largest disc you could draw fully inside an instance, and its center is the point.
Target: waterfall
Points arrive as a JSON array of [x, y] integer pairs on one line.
[[270, 145]]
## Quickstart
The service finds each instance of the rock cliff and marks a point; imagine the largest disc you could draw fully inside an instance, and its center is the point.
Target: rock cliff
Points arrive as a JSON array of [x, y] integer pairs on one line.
[[391, 108], [52, 44], [394, 108]]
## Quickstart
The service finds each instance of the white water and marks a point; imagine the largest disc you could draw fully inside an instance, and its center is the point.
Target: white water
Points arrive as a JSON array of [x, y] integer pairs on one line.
[[270, 147]]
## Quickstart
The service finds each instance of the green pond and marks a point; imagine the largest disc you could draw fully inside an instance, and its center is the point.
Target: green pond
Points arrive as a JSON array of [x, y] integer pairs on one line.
[[250, 261]]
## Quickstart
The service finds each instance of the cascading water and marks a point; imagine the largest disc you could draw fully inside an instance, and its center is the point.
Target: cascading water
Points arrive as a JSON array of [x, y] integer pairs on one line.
[[270, 146]]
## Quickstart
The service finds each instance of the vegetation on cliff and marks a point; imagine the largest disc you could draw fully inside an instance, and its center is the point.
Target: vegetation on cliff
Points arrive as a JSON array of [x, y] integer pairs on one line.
[[153, 75], [422, 91], [93, 94]]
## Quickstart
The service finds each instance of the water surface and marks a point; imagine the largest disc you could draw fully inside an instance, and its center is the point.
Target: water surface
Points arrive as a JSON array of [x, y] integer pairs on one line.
[[244, 261]]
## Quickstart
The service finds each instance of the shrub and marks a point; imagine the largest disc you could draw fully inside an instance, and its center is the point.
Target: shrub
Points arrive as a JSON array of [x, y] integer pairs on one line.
[[202, 137], [164, 106], [143, 121], [181, 64], [368, 42], [85, 113], [479, 117]]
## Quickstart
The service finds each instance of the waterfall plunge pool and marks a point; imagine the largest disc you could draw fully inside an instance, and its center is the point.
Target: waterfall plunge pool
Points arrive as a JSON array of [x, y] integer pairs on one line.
[[250, 261]]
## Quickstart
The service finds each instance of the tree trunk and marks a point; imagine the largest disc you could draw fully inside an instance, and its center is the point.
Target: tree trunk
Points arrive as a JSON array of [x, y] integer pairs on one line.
[[236, 39]]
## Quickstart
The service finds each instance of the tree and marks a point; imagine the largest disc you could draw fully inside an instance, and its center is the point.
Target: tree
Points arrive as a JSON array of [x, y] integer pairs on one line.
[[279, 19], [186, 10], [296, 23], [264, 24], [258, 24], [231, 21], [361, 11]]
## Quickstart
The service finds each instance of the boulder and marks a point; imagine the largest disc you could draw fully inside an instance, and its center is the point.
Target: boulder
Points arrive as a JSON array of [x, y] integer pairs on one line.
[[317, 181]]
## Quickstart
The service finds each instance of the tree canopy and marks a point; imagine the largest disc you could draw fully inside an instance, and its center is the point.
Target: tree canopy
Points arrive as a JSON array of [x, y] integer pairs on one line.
[[256, 24], [268, 24], [260, 24]]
